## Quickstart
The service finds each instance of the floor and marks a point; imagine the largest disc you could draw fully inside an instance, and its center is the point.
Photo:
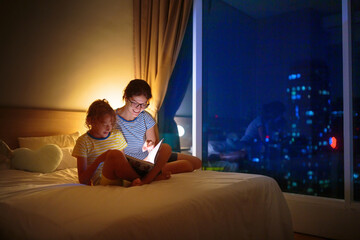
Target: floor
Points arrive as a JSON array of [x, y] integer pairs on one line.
[[299, 236]]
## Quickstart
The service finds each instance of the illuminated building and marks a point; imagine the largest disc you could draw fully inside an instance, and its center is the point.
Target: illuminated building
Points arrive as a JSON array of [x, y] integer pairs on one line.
[[309, 107]]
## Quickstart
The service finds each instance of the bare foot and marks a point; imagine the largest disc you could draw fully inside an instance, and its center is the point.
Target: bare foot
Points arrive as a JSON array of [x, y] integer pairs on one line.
[[136, 182], [163, 176]]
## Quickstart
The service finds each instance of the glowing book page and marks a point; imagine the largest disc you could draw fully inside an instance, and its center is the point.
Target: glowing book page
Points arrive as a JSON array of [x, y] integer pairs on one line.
[[153, 153], [144, 166]]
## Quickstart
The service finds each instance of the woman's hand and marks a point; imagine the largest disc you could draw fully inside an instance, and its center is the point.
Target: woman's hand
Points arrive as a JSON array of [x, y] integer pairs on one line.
[[148, 145]]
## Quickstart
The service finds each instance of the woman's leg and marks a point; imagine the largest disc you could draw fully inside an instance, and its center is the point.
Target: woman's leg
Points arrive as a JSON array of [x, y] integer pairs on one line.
[[184, 163], [195, 161], [178, 166]]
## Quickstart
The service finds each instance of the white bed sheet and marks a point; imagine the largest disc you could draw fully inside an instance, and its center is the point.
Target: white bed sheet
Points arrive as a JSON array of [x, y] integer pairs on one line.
[[197, 205]]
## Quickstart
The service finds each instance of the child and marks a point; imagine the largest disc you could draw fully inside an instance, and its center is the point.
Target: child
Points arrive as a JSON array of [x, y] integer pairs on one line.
[[99, 152]]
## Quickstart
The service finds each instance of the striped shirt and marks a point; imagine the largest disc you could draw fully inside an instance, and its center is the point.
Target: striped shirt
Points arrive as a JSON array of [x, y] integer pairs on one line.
[[90, 147], [134, 132]]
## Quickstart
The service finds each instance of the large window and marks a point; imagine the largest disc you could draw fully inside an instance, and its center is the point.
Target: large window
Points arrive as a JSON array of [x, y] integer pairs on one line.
[[273, 93]]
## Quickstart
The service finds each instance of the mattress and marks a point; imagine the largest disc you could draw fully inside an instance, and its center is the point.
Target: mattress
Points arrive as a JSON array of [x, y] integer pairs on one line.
[[196, 205]]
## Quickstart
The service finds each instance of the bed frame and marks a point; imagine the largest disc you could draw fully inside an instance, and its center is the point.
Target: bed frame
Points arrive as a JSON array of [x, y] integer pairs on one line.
[[26, 122]]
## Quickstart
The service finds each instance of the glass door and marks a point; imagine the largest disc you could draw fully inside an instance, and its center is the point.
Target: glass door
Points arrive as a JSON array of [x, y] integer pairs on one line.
[[275, 101]]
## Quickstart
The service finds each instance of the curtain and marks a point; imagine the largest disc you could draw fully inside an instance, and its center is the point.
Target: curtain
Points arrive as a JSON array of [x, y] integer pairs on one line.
[[177, 87], [159, 28]]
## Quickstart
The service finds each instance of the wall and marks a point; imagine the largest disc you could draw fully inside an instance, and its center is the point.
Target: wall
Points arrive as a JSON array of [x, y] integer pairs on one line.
[[65, 54]]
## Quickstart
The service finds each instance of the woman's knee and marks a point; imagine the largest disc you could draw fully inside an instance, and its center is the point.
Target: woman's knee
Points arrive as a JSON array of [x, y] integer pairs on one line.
[[195, 161], [179, 166]]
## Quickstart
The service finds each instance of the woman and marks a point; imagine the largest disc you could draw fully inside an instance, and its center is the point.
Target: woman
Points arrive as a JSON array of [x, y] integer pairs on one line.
[[140, 132]]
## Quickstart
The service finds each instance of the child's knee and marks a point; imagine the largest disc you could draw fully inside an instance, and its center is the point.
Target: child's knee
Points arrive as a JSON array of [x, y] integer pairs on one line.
[[114, 158], [165, 148], [114, 154]]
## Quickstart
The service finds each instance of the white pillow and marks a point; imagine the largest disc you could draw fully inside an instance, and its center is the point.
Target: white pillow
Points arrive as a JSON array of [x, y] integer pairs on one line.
[[62, 141], [68, 161], [46, 159]]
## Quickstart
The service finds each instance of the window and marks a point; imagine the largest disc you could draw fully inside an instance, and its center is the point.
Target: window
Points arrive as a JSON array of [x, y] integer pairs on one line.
[[273, 92], [257, 39], [355, 24]]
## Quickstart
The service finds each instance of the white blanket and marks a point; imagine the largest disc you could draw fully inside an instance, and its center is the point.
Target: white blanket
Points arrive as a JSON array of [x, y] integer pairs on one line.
[[197, 205]]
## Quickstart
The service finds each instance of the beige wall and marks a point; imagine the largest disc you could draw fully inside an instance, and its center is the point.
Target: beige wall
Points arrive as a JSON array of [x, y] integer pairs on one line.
[[65, 54]]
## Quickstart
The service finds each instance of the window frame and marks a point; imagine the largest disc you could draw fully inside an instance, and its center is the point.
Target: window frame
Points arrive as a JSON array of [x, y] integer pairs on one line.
[[327, 217]]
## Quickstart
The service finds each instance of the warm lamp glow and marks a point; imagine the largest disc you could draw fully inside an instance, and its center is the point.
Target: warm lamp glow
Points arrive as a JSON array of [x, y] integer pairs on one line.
[[181, 130], [112, 91]]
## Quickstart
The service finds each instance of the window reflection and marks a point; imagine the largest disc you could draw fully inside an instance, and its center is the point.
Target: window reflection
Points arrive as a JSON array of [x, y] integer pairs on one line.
[[273, 93]]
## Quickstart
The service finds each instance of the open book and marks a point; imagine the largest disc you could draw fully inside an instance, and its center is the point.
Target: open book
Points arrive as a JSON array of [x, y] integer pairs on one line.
[[142, 167]]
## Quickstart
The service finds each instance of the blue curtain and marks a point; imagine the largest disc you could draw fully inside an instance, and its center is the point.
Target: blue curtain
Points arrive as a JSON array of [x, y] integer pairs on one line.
[[178, 83]]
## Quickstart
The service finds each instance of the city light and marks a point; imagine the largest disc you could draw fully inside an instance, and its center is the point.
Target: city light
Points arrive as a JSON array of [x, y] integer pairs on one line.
[[332, 142]]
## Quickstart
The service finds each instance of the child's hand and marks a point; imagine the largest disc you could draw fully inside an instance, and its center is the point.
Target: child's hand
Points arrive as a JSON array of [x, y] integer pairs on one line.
[[148, 146]]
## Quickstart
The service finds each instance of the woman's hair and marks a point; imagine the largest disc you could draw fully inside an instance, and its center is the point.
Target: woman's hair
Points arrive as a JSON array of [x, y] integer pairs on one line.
[[97, 110], [137, 87]]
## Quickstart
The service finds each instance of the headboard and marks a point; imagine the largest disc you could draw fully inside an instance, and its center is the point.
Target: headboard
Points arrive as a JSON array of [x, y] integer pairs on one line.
[[28, 122]]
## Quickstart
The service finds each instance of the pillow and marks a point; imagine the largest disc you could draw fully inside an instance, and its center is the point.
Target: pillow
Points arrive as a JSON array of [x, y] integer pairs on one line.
[[62, 141], [67, 161], [46, 159]]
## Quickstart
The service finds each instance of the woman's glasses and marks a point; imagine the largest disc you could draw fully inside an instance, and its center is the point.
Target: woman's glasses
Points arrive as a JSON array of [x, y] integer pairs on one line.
[[141, 105]]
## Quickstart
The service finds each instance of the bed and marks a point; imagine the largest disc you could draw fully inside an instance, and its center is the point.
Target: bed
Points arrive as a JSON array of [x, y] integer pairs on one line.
[[197, 205]]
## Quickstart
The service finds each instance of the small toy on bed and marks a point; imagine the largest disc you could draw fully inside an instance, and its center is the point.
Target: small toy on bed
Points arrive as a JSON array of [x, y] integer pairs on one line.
[[44, 160]]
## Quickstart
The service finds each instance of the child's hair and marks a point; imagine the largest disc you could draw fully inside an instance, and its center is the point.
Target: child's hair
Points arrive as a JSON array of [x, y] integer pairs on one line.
[[98, 109], [137, 87]]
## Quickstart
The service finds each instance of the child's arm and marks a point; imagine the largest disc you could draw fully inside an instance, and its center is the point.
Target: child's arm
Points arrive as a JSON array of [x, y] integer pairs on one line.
[[85, 172]]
